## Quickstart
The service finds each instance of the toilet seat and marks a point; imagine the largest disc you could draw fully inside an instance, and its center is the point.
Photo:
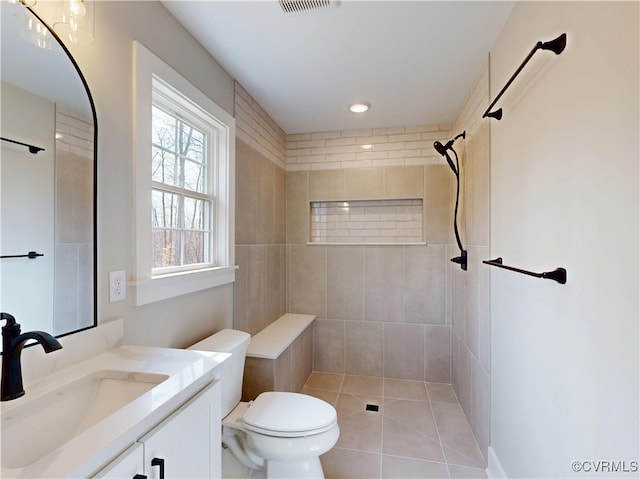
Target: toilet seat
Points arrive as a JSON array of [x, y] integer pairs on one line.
[[286, 414]]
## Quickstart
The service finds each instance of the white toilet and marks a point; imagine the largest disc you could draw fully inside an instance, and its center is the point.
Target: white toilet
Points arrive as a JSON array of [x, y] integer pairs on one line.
[[281, 433]]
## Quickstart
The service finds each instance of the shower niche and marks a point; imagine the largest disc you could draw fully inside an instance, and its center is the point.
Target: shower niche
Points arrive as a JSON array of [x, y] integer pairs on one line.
[[377, 221]]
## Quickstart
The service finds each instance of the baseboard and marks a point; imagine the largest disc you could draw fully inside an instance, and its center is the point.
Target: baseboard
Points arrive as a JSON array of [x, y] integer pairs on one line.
[[494, 468]]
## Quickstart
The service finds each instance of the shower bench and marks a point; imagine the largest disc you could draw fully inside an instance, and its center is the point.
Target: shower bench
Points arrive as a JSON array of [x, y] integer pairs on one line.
[[280, 357]]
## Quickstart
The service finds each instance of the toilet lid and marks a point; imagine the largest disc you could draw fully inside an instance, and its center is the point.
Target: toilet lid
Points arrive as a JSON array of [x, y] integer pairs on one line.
[[289, 414]]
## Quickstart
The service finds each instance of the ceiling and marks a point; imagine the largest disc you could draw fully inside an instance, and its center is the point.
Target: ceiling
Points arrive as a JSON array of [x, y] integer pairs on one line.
[[412, 61], [22, 64]]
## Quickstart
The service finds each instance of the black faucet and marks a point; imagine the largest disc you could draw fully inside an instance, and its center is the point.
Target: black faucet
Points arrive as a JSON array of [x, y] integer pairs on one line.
[[12, 344]]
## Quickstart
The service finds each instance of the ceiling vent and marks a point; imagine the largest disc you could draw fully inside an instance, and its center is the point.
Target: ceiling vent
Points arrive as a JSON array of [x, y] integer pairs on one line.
[[301, 6]]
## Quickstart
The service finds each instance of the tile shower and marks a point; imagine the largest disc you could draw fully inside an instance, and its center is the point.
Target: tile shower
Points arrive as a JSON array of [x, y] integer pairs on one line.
[[398, 312]]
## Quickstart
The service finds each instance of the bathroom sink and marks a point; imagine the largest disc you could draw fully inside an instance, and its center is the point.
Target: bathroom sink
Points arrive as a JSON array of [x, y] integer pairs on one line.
[[42, 424]]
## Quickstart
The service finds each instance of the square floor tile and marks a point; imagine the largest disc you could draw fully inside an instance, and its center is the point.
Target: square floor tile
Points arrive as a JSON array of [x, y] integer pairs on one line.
[[329, 381], [405, 389]]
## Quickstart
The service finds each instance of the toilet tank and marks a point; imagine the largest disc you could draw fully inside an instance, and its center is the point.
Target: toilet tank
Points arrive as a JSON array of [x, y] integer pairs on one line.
[[236, 343]]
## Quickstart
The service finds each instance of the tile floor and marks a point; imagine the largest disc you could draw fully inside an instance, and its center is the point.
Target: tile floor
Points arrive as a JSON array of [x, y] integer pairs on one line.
[[420, 430]]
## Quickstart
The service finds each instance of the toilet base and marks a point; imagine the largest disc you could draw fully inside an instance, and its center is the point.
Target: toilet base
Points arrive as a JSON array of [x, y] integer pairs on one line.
[[309, 468], [232, 469]]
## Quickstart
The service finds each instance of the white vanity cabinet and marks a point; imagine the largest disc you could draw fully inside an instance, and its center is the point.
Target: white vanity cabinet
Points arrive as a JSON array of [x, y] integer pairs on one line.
[[184, 445]]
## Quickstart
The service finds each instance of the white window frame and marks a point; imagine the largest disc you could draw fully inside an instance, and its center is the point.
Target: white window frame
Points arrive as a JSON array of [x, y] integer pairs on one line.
[[149, 287]]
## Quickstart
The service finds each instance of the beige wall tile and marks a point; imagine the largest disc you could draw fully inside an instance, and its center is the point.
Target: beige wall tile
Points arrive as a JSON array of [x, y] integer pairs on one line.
[[73, 261], [438, 206], [283, 280], [298, 377], [326, 185], [274, 299], [308, 266], [283, 371], [437, 355], [280, 206], [258, 377], [74, 198], [476, 183], [458, 289], [384, 283], [307, 354], [404, 182], [328, 347], [424, 284], [363, 348], [345, 282], [297, 207], [246, 194], [265, 222], [257, 128], [404, 351], [363, 183], [481, 407], [256, 269], [240, 289]]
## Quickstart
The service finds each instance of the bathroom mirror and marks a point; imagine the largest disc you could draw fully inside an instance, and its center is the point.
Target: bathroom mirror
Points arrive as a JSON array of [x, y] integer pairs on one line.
[[47, 199]]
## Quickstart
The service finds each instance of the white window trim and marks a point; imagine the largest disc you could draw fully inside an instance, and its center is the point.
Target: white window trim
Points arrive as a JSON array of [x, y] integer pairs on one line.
[[148, 288]]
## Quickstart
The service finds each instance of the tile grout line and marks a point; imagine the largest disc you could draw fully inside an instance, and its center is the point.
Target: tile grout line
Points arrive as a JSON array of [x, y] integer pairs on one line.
[[435, 422], [383, 400]]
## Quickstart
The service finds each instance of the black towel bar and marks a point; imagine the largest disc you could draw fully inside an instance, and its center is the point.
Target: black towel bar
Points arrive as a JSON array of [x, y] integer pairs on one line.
[[30, 255], [557, 46], [558, 274], [32, 149]]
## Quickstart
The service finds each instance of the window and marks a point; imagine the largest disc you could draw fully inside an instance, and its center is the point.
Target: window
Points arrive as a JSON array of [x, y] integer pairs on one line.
[[182, 196], [184, 164]]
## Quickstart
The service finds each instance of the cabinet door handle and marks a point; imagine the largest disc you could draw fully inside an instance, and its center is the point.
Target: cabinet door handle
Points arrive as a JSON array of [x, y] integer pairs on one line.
[[157, 461], [139, 476]]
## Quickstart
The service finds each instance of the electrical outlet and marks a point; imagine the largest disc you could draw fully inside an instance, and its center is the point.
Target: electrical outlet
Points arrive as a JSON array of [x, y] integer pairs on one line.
[[117, 286]]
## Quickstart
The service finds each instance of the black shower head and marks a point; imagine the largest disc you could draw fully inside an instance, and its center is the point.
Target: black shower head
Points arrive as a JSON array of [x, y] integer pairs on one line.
[[442, 149]]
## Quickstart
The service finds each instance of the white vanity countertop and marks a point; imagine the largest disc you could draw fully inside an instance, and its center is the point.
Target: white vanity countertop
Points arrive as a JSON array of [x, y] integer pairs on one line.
[[188, 371]]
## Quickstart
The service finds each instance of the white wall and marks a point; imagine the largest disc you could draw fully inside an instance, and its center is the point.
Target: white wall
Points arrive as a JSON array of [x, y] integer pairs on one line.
[[107, 65], [564, 192], [26, 213]]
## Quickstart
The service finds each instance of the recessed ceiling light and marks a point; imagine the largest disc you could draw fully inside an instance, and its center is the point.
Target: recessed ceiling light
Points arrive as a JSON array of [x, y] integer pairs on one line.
[[366, 147], [359, 107]]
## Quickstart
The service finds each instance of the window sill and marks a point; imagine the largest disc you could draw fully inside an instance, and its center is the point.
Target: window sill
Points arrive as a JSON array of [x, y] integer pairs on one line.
[[169, 286], [373, 243]]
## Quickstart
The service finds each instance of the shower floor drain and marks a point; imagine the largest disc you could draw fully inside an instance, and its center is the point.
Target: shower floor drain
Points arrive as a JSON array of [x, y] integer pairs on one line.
[[372, 407]]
